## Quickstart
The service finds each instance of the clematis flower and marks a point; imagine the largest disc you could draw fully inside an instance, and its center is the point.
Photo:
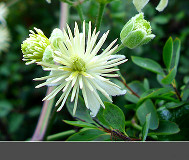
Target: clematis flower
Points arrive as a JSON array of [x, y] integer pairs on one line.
[[140, 4], [33, 48], [79, 66], [4, 39]]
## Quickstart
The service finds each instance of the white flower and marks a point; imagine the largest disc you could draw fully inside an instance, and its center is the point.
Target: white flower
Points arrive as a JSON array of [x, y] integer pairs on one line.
[[80, 67], [4, 39], [3, 12]]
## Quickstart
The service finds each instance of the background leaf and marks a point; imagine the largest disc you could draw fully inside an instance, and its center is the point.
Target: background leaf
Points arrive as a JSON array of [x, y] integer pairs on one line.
[[146, 108], [88, 135], [166, 128], [168, 53], [114, 116], [145, 127], [148, 64]]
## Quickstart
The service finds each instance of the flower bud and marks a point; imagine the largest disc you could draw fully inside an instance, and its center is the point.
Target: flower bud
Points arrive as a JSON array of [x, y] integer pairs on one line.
[[34, 47], [136, 32], [47, 55], [56, 36]]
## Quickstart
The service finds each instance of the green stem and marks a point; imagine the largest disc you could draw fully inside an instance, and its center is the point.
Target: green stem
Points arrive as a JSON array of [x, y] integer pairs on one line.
[[61, 135], [134, 125], [120, 47], [100, 14], [80, 11]]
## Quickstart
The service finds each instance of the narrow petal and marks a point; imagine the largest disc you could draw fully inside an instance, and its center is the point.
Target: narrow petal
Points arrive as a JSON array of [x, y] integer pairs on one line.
[[110, 89]]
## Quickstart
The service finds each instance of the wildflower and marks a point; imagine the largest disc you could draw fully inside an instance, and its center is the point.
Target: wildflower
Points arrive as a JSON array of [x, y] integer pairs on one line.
[[34, 47], [4, 39], [3, 12], [140, 4], [80, 67], [136, 32]]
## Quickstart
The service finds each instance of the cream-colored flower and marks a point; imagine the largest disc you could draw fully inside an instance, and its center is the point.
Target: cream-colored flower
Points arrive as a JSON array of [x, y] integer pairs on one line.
[[4, 39], [81, 67], [3, 12]]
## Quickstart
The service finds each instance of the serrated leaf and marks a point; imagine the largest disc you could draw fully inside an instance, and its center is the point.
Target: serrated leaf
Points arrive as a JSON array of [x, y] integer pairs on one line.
[[146, 108], [148, 64], [168, 53], [165, 128], [87, 135], [80, 124], [146, 126], [114, 116], [170, 77]]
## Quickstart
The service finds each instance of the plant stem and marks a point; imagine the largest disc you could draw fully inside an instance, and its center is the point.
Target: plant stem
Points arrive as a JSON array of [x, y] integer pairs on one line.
[[126, 85], [80, 11], [60, 135], [176, 91], [68, 2], [43, 119], [100, 14], [120, 47], [50, 123]]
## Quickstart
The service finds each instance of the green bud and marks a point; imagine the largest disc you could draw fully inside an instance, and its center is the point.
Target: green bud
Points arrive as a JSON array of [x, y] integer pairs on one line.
[[56, 36], [47, 55], [34, 47], [136, 32]]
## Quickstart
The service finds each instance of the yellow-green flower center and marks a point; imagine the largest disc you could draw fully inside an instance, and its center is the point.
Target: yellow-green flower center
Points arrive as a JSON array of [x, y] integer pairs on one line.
[[78, 64]]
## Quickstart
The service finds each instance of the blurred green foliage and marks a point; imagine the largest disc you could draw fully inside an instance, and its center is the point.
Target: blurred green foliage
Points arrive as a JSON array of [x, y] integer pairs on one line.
[[20, 102]]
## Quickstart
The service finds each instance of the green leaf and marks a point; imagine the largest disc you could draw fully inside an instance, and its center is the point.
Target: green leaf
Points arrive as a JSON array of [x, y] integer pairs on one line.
[[173, 105], [165, 128], [168, 53], [130, 97], [137, 87], [148, 64], [146, 126], [146, 84], [88, 135], [176, 53], [82, 112], [146, 108], [5, 108], [80, 124], [170, 77], [114, 116], [101, 119], [15, 122], [154, 93]]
